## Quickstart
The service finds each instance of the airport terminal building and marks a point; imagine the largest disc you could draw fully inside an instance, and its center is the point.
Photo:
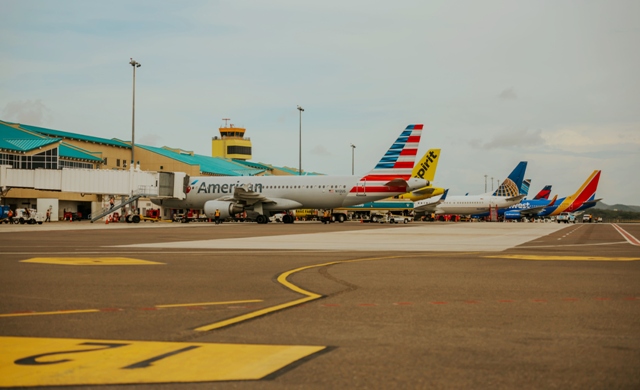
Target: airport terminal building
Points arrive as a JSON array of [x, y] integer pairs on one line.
[[30, 147]]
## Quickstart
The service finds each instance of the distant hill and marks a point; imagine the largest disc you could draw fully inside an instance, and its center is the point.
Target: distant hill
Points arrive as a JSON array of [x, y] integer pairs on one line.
[[619, 207]]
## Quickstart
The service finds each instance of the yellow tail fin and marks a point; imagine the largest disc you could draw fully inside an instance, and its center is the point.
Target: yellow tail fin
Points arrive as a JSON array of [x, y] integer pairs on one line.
[[426, 167]]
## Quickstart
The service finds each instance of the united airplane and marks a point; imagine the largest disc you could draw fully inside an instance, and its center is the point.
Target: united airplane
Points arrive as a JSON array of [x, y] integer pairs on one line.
[[507, 194], [263, 194]]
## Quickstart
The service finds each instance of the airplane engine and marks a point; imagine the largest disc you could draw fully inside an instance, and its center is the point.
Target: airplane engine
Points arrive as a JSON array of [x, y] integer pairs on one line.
[[227, 209], [512, 214]]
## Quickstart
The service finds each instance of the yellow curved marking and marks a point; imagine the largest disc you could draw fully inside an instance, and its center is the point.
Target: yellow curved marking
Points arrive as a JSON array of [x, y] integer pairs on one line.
[[282, 279], [563, 258]]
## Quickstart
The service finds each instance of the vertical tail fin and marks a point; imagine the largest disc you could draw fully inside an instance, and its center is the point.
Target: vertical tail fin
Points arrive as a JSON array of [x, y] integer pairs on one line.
[[544, 193], [398, 161], [511, 185], [396, 164], [524, 189], [586, 192], [426, 167]]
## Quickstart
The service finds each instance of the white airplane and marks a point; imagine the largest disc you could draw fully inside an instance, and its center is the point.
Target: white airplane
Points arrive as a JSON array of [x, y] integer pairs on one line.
[[263, 194], [507, 194]]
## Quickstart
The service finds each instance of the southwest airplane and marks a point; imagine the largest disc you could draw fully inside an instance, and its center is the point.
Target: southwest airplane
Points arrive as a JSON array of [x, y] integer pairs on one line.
[[262, 194], [582, 199], [507, 194]]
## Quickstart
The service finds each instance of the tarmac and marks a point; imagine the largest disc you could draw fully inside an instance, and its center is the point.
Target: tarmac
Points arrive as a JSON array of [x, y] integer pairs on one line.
[[307, 305]]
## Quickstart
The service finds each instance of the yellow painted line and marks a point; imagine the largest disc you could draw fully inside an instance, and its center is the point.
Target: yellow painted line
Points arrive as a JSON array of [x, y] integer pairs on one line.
[[48, 313], [44, 313], [28, 361], [210, 303], [282, 279], [90, 261], [563, 258]]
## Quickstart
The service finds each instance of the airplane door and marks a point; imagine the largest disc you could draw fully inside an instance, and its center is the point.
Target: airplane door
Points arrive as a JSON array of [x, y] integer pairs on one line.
[[361, 188]]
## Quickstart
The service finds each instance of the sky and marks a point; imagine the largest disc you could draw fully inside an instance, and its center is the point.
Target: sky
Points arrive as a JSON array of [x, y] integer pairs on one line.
[[554, 83]]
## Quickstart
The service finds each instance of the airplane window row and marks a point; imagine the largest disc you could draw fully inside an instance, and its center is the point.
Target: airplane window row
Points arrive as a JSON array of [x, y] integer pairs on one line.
[[312, 186]]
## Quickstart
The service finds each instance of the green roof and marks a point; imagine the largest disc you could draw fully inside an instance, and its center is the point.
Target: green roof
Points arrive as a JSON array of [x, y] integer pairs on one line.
[[209, 165], [22, 140], [25, 145], [69, 151], [79, 137]]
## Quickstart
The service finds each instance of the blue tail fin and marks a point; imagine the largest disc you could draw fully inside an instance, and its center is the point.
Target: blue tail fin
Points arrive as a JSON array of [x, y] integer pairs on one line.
[[511, 185], [524, 189]]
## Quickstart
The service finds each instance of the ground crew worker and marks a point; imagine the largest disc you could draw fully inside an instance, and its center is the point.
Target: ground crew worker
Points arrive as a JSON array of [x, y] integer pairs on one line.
[[217, 216], [10, 216], [326, 218], [48, 215]]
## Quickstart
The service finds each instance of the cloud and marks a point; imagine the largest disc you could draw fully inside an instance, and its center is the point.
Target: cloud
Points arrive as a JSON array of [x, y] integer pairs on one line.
[[27, 112], [149, 139], [508, 94], [511, 139], [320, 150]]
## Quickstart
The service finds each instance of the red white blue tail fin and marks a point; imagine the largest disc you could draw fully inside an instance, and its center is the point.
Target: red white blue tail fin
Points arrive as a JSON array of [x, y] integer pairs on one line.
[[395, 167]]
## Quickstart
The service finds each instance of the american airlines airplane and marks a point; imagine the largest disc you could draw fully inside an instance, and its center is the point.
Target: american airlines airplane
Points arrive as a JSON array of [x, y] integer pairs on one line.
[[507, 194], [263, 194]]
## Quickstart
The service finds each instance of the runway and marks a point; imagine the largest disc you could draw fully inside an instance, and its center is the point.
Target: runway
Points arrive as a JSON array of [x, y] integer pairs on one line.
[[423, 305]]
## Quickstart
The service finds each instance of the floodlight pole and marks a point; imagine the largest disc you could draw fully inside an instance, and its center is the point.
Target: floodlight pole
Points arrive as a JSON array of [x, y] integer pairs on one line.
[[300, 143], [353, 148], [135, 65]]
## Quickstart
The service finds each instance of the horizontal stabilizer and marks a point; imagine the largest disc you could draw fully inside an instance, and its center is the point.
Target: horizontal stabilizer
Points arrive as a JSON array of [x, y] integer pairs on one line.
[[424, 191], [517, 198], [397, 183]]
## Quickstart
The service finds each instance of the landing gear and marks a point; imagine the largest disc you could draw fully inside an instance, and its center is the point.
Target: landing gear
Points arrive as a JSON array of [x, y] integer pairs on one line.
[[262, 219], [287, 218]]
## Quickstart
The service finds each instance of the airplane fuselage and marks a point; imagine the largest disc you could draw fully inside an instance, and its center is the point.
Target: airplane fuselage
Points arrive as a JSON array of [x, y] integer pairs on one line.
[[464, 205], [290, 192]]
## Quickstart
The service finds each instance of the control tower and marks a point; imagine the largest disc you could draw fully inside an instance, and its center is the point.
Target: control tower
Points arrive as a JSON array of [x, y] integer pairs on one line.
[[231, 143]]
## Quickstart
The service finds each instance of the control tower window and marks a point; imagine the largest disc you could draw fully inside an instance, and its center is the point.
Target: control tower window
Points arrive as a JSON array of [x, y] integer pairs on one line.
[[239, 150]]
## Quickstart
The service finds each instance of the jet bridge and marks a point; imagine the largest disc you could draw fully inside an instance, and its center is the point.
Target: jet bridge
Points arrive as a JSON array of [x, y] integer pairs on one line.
[[133, 184]]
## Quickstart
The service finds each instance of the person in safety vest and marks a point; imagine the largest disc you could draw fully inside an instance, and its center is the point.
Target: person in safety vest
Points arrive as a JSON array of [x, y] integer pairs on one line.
[[217, 216]]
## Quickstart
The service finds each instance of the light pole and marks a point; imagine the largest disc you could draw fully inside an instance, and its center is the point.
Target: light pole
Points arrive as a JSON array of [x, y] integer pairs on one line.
[[353, 148], [300, 143], [485, 183], [135, 65]]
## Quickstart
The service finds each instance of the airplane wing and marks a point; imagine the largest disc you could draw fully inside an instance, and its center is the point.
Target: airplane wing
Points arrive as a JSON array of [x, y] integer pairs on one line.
[[533, 211], [431, 207], [247, 197]]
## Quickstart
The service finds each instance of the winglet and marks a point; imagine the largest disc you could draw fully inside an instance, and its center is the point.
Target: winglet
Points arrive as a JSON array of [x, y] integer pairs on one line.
[[443, 197]]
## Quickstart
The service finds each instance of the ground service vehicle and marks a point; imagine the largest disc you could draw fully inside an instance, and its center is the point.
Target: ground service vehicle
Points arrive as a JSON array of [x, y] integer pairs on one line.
[[28, 216], [566, 218], [587, 218]]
